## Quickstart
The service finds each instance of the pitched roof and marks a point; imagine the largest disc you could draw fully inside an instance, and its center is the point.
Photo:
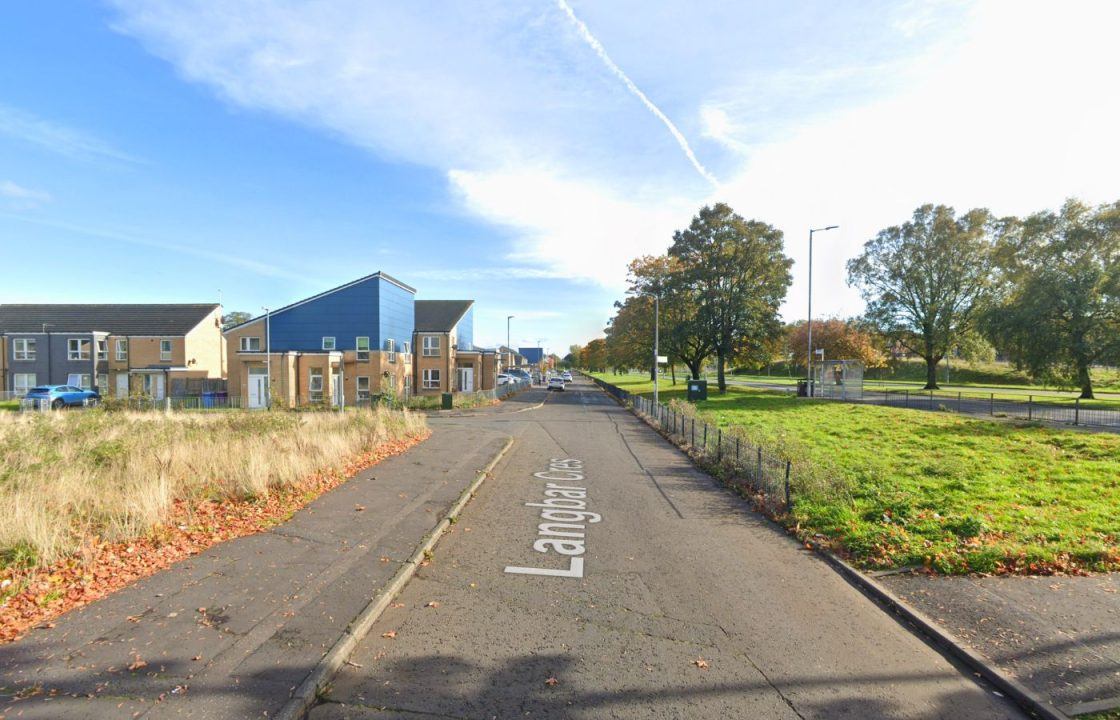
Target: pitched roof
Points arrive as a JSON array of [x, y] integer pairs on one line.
[[440, 315], [378, 275], [116, 319]]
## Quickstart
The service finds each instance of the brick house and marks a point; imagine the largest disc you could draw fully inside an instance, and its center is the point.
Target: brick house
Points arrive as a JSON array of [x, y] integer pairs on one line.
[[119, 349], [446, 357]]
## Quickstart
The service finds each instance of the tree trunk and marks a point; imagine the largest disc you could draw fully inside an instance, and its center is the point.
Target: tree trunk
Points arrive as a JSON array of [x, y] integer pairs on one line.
[[721, 381], [1084, 381], [931, 373], [694, 368], [673, 370]]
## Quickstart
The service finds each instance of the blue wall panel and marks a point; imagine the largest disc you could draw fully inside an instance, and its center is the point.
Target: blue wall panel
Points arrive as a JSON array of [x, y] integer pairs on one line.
[[532, 354], [398, 314], [466, 330], [374, 308]]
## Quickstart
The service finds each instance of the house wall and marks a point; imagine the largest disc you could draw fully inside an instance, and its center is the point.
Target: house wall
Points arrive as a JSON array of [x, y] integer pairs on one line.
[[444, 362], [143, 350], [51, 365], [203, 346], [464, 330], [396, 315], [489, 371]]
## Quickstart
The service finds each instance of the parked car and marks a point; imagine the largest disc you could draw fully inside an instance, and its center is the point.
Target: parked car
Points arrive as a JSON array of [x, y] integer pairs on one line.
[[520, 374], [556, 383], [59, 396], [567, 376], [504, 379]]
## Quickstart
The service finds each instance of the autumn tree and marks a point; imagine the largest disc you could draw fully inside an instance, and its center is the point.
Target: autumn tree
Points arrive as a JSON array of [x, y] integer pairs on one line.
[[235, 317], [1059, 313], [629, 334], [840, 340], [925, 281], [593, 356], [738, 275]]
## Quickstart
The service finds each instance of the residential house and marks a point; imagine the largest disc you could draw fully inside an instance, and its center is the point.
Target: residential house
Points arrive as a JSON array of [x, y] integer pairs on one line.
[[342, 346], [119, 349], [446, 357]]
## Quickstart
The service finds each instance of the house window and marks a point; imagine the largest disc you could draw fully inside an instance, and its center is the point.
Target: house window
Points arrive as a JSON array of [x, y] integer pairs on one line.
[[250, 344], [103, 383], [363, 387], [431, 379], [407, 385], [406, 347], [315, 384], [122, 349], [362, 345], [23, 349], [328, 343], [164, 349], [102, 349], [79, 380], [391, 350], [77, 349], [430, 347], [22, 382]]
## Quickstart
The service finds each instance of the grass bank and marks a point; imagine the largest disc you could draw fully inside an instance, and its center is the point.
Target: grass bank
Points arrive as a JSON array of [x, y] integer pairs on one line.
[[68, 477], [951, 493]]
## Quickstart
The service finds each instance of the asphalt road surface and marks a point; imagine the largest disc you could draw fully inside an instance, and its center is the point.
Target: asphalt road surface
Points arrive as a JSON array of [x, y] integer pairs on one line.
[[649, 592]]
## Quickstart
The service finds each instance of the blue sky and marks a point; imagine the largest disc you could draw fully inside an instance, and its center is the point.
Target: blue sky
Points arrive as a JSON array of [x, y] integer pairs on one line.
[[518, 153]]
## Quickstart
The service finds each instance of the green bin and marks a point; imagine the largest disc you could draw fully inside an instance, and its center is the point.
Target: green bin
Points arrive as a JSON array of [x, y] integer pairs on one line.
[[445, 401], [697, 390]]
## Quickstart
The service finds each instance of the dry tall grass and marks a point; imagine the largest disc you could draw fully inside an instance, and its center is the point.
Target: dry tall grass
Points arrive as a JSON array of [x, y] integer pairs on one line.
[[66, 477]]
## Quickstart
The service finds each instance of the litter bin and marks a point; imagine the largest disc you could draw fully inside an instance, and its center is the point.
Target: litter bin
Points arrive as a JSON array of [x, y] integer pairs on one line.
[[208, 399], [697, 390], [802, 388], [445, 401]]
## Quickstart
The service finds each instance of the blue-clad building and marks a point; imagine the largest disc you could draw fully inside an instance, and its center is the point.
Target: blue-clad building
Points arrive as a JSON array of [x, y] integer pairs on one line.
[[532, 355], [352, 343]]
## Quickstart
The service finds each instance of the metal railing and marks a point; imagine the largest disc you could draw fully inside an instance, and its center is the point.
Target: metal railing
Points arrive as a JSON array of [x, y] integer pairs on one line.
[[1079, 413], [769, 478]]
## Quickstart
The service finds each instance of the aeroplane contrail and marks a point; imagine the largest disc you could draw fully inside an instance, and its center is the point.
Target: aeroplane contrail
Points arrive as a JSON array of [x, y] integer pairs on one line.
[[614, 68]]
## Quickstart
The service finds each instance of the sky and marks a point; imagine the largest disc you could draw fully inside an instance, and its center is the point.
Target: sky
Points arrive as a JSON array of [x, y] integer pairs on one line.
[[520, 153]]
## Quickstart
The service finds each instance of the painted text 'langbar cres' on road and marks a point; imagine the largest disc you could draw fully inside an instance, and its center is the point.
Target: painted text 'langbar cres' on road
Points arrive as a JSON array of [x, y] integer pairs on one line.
[[565, 516]]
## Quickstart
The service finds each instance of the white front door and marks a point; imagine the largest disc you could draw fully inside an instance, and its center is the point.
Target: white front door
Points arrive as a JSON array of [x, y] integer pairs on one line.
[[258, 388], [466, 379], [122, 385], [336, 389], [157, 387]]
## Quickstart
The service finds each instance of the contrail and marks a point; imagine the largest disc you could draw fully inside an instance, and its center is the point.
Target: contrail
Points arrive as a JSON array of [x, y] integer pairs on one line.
[[614, 68]]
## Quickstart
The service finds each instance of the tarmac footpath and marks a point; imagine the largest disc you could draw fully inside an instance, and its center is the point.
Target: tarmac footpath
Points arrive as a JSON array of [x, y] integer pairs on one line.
[[233, 631]]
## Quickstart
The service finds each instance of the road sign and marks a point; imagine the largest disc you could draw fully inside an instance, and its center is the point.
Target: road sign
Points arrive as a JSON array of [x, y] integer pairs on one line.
[[663, 359]]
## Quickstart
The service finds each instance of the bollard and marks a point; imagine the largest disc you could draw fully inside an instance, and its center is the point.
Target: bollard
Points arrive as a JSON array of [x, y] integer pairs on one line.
[[1030, 407], [736, 451], [789, 504], [958, 402], [758, 468], [719, 444], [705, 437], [1076, 410], [992, 404]]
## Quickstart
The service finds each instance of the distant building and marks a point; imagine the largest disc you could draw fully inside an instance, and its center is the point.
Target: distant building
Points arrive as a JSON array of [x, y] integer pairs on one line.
[[119, 349], [533, 355]]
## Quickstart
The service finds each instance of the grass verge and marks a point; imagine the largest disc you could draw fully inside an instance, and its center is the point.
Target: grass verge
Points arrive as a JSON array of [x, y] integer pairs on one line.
[[94, 500], [935, 490]]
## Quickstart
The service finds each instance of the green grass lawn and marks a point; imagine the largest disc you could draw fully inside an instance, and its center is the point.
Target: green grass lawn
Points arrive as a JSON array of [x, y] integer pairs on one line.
[[9, 405], [949, 492]]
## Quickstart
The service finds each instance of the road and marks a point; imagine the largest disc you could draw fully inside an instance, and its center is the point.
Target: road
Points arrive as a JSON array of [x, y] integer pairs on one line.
[[674, 600]]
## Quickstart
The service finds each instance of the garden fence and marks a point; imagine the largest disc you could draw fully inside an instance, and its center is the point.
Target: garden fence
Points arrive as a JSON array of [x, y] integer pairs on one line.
[[769, 477], [1077, 412]]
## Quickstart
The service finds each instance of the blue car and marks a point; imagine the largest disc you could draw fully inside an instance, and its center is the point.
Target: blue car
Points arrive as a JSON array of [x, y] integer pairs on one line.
[[60, 396]]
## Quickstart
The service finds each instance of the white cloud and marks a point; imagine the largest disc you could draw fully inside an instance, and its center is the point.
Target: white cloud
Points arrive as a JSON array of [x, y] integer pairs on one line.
[[58, 138], [21, 197]]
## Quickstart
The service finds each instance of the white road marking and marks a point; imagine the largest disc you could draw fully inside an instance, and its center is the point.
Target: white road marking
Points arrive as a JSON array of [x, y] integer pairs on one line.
[[565, 513]]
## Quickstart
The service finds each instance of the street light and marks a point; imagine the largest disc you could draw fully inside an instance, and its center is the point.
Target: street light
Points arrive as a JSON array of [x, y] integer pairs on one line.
[[809, 366], [268, 358], [509, 348]]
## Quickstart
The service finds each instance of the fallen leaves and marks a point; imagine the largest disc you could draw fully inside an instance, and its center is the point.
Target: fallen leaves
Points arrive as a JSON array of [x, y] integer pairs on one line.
[[389, 635], [432, 604], [552, 682], [700, 663], [137, 663], [105, 567]]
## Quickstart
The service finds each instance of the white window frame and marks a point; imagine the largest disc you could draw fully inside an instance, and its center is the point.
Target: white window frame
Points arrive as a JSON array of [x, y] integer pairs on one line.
[[431, 379], [165, 355], [406, 347], [329, 345], [78, 353], [407, 384], [315, 389], [248, 346], [426, 349], [21, 388], [361, 346], [85, 382], [362, 392], [122, 349], [391, 350], [103, 349], [28, 350], [103, 383]]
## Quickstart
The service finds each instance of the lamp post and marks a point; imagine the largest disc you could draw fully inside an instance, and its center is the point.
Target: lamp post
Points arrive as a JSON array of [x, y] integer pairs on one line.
[[656, 344], [809, 366], [509, 347], [268, 358]]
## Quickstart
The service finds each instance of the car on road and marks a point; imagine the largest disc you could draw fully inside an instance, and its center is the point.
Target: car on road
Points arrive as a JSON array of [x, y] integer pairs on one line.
[[556, 383], [504, 379], [519, 374], [60, 396], [567, 376]]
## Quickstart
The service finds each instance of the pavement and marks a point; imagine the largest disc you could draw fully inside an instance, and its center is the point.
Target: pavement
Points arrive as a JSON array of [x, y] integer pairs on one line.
[[597, 573], [1059, 636], [273, 602]]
